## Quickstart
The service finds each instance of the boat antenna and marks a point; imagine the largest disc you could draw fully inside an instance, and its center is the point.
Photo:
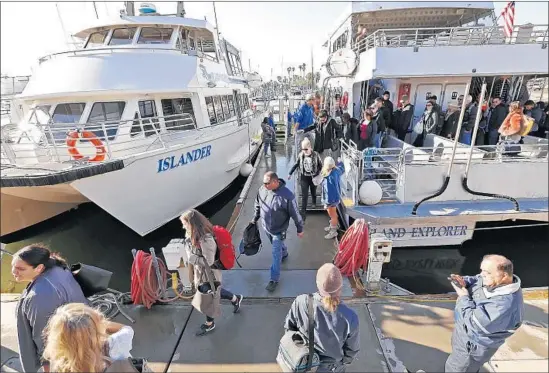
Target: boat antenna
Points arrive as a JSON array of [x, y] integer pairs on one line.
[[62, 25], [95, 8], [216, 23]]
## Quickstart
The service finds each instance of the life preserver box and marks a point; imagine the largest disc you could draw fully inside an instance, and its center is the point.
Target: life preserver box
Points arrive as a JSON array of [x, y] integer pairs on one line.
[[74, 136]]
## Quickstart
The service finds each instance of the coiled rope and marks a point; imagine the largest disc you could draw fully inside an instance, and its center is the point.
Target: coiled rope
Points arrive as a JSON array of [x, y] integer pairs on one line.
[[145, 288]]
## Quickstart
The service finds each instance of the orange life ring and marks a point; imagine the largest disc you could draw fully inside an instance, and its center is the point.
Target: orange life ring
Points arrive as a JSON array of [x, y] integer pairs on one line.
[[74, 136]]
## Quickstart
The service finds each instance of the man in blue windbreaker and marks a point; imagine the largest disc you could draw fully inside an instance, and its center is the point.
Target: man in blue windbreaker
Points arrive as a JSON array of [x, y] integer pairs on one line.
[[488, 310], [304, 122]]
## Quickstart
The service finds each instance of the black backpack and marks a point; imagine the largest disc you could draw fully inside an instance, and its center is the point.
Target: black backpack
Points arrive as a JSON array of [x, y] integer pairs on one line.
[[251, 241]]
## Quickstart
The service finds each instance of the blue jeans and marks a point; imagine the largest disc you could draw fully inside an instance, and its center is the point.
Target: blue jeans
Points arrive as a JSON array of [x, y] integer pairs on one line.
[[378, 139], [493, 136], [266, 146], [279, 251], [466, 356]]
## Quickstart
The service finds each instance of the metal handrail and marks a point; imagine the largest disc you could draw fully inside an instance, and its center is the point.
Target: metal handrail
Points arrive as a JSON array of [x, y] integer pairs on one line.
[[30, 143], [451, 36], [115, 48]]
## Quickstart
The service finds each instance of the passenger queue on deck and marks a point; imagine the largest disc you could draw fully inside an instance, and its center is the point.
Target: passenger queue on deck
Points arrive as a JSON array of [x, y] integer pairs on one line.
[[57, 328]]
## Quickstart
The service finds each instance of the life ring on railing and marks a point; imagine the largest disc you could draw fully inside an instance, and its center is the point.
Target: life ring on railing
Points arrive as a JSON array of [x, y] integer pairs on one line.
[[74, 136]]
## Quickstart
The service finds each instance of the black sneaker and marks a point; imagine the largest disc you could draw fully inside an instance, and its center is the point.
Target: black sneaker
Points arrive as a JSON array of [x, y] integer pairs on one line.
[[205, 329], [271, 286], [236, 304]]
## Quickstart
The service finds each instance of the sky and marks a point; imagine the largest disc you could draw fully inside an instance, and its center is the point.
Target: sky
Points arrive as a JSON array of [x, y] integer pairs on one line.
[[271, 35]]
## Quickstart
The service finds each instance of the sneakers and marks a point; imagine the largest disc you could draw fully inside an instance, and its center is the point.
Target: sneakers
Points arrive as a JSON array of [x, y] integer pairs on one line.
[[271, 286], [331, 234], [236, 304], [205, 329], [327, 229]]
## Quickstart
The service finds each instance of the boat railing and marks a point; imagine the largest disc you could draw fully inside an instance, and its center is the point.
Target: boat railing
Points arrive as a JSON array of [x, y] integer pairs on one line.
[[128, 49], [387, 166], [452, 36], [32, 144]]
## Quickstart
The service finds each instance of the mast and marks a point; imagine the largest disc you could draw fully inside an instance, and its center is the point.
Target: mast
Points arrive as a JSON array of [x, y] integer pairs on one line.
[[128, 5], [216, 24], [181, 9], [62, 25], [95, 8]]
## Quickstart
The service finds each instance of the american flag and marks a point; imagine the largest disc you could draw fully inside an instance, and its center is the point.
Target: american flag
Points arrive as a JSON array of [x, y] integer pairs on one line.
[[508, 14]]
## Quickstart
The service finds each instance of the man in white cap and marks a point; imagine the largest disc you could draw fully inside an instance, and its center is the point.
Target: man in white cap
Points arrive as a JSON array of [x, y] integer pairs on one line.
[[304, 122], [337, 340]]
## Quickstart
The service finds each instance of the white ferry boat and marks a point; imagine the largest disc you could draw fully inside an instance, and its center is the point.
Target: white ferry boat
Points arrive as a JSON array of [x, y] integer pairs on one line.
[[435, 195], [149, 118]]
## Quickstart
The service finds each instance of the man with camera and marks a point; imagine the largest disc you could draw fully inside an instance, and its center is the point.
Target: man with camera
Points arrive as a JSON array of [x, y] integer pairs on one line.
[[488, 310]]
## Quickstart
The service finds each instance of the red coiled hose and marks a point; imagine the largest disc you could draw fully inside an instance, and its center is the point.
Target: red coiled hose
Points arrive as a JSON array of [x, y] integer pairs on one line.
[[353, 249], [144, 287]]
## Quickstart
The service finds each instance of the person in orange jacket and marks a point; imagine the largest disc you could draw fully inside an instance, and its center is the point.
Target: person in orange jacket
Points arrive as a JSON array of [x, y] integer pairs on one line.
[[512, 124]]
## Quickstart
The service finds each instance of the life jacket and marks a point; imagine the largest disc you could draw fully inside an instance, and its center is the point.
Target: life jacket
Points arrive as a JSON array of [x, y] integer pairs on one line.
[[224, 256]]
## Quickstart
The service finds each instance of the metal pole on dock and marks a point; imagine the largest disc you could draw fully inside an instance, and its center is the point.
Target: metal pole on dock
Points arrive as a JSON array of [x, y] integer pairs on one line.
[[157, 271]]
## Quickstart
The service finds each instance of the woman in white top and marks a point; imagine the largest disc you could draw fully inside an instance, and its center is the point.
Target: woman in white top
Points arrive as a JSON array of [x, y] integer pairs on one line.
[[80, 339]]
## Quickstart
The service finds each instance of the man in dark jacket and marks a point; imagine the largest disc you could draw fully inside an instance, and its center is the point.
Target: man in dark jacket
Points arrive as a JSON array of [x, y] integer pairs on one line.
[[498, 112], [275, 205], [389, 117], [384, 111], [379, 118], [533, 111], [403, 117], [350, 128], [327, 136]]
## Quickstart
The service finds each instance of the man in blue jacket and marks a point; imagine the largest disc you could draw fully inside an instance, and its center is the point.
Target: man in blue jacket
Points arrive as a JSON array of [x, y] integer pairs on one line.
[[488, 310], [275, 205], [304, 122]]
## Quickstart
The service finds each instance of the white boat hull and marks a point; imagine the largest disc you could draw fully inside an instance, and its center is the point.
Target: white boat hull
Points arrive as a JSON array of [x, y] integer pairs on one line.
[[152, 188]]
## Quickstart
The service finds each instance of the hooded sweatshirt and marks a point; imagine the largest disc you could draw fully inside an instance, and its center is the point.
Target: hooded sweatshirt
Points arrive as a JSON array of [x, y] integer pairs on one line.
[[275, 208]]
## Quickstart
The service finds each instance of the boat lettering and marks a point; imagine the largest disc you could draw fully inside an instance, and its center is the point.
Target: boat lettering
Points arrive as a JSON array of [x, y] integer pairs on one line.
[[175, 161], [417, 232]]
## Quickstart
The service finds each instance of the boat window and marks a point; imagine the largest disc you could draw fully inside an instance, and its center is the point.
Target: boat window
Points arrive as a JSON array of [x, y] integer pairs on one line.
[[97, 39], [211, 110], [178, 114], [109, 113], [225, 105], [238, 103], [153, 35], [147, 109], [122, 36], [231, 105], [68, 113], [218, 109]]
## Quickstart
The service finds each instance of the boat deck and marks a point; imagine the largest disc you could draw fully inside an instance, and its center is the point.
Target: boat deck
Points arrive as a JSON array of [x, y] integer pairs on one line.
[[395, 328]]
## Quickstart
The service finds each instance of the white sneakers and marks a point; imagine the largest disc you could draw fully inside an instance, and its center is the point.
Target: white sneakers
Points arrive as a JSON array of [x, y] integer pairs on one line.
[[332, 232]]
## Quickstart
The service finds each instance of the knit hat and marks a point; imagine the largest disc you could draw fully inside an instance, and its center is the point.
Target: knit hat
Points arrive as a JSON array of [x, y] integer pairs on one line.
[[329, 280]]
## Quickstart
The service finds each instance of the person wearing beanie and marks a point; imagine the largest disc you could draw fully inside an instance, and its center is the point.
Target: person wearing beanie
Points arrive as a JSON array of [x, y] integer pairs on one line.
[[336, 326]]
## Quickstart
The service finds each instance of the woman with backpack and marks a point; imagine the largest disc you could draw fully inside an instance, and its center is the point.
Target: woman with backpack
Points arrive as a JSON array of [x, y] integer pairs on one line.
[[80, 339], [309, 165], [201, 250], [336, 326], [331, 193]]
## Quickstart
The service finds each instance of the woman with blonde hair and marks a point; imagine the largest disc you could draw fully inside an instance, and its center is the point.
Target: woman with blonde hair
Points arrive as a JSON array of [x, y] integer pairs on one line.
[[336, 326], [331, 193], [511, 127], [201, 250], [79, 339]]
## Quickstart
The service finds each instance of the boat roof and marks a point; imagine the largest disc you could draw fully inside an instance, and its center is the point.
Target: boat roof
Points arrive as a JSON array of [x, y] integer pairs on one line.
[[375, 15], [145, 20]]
